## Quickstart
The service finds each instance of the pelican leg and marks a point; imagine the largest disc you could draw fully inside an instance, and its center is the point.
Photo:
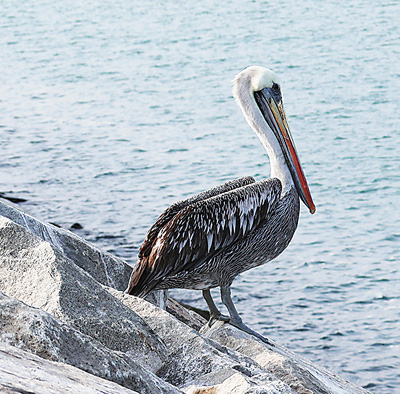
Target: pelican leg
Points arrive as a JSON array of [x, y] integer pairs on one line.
[[236, 320], [215, 314]]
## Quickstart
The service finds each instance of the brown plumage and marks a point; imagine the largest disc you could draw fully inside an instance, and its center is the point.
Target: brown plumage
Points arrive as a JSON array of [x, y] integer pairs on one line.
[[209, 239], [192, 232]]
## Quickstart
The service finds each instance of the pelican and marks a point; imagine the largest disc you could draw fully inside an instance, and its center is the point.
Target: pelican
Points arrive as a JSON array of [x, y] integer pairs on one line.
[[207, 240]]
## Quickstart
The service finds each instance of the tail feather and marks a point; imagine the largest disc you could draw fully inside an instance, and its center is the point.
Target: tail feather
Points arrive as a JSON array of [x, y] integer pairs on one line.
[[142, 280], [134, 287]]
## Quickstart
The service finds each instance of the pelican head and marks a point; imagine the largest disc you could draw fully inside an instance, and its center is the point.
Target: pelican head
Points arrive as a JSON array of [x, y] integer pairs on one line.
[[258, 93]]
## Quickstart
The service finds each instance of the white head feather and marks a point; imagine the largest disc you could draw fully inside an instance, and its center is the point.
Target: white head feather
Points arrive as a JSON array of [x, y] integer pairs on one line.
[[250, 80], [259, 78]]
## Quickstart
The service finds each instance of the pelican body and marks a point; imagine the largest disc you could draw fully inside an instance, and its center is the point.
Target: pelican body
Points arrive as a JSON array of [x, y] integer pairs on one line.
[[207, 240]]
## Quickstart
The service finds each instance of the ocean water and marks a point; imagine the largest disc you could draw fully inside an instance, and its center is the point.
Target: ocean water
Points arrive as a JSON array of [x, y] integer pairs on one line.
[[111, 111]]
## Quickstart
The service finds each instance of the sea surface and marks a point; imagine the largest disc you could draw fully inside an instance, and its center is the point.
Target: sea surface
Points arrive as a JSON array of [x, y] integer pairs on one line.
[[111, 111]]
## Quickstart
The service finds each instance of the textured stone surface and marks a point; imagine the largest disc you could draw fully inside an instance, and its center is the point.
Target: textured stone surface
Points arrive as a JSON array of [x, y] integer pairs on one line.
[[38, 332], [241, 384], [187, 316], [303, 376], [194, 360], [243, 364], [35, 272], [102, 266], [105, 326], [23, 372]]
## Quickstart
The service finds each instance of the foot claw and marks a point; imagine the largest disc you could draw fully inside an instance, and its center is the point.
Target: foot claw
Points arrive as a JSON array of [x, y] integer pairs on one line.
[[241, 326], [215, 318]]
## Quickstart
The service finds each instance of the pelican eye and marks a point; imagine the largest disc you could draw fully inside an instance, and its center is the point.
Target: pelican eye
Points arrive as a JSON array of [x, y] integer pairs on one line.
[[276, 87]]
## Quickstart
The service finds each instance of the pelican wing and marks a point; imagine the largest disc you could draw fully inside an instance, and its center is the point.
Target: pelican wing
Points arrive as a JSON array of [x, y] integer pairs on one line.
[[203, 229], [171, 211]]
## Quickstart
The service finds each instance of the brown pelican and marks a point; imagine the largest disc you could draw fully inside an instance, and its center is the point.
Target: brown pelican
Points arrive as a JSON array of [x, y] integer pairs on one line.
[[207, 240]]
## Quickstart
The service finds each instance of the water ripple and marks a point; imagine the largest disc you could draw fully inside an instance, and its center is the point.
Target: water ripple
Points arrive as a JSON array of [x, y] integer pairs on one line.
[[112, 112]]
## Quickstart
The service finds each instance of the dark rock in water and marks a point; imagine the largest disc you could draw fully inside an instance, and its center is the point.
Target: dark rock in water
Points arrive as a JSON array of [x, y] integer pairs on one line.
[[15, 200], [77, 226], [84, 321]]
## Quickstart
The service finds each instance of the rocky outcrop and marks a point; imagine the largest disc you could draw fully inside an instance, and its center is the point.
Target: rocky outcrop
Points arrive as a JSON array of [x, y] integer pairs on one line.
[[303, 376], [193, 359], [105, 268], [35, 272], [33, 330], [56, 307], [23, 372]]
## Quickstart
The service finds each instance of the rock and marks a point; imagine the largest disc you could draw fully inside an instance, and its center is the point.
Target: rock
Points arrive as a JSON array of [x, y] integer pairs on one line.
[[15, 200], [35, 272], [23, 372], [187, 316], [158, 298], [38, 332], [239, 384], [241, 364], [45, 271], [102, 266], [303, 376], [195, 360]]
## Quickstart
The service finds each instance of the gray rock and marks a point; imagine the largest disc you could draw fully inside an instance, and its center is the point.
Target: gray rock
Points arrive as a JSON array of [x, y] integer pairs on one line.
[[35, 272], [187, 316], [241, 384], [23, 372], [105, 268], [38, 332], [303, 376], [102, 266], [158, 298], [196, 361], [45, 272]]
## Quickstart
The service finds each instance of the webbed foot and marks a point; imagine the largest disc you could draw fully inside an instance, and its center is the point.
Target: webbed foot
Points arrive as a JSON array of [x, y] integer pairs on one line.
[[241, 326]]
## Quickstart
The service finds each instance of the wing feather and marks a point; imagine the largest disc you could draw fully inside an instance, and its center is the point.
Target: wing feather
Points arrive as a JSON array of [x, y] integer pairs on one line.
[[171, 211], [205, 228]]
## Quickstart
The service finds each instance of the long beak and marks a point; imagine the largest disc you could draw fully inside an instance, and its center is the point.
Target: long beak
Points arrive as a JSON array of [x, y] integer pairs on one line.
[[271, 105]]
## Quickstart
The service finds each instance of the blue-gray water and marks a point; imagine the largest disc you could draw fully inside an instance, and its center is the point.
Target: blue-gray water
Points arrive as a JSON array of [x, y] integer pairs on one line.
[[110, 111]]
